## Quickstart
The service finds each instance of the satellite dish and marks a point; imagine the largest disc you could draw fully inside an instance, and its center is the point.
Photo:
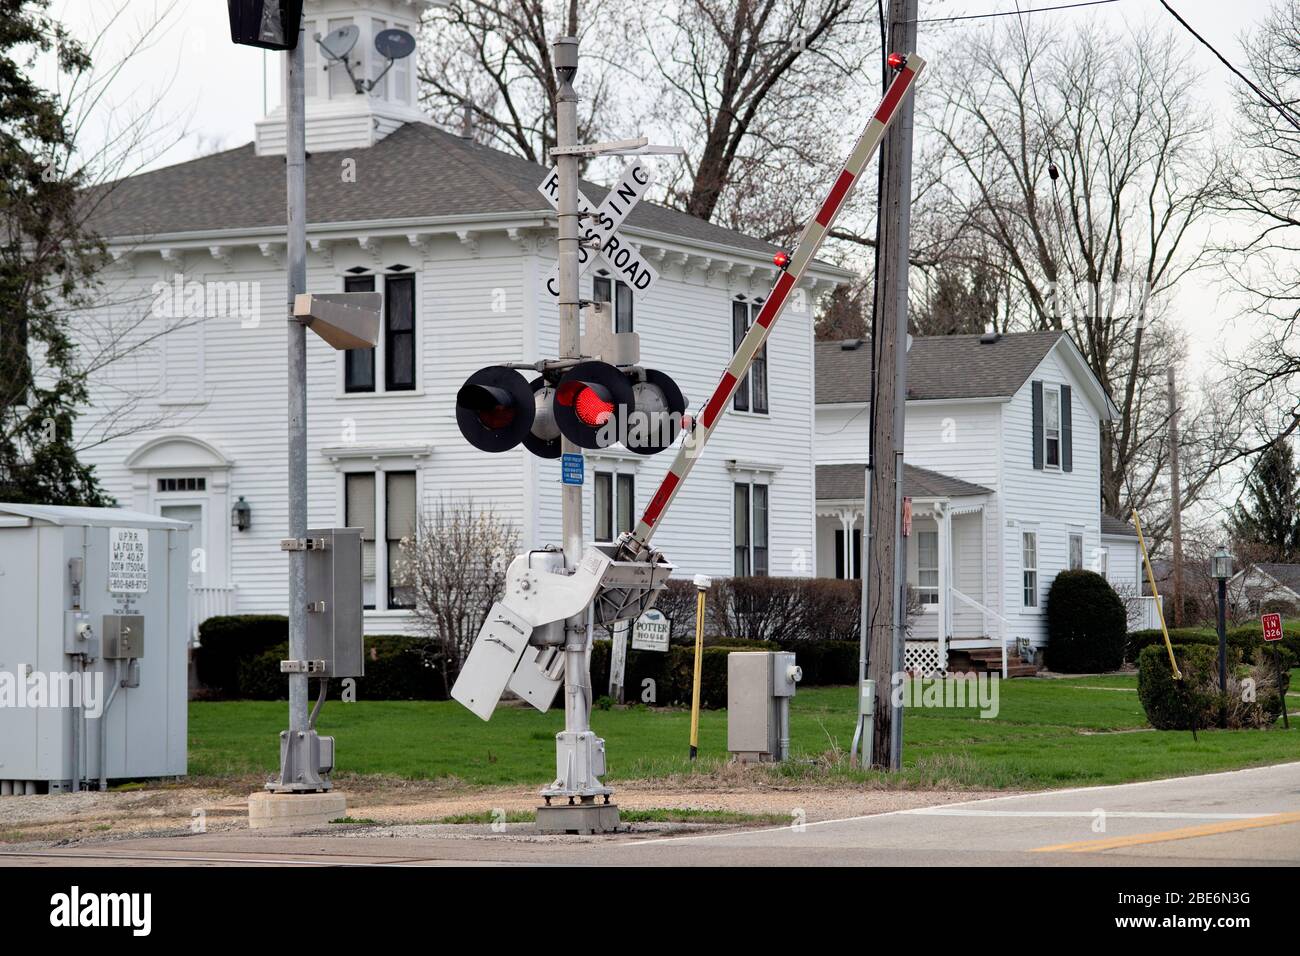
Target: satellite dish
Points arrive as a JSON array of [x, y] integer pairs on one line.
[[337, 44], [394, 44]]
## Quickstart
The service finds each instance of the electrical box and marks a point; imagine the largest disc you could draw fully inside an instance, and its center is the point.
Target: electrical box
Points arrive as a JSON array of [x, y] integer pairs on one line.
[[759, 687], [80, 591], [123, 637], [334, 602]]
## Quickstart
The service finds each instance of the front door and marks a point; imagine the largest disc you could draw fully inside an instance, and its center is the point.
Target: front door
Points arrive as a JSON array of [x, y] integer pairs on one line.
[[193, 512]]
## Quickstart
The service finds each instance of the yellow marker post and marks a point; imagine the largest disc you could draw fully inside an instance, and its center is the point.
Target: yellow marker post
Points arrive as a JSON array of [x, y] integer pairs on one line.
[[702, 583], [1151, 578]]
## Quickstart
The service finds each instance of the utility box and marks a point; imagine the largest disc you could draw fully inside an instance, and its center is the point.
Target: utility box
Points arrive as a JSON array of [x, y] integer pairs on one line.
[[759, 687], [94, 628], [334, 603]]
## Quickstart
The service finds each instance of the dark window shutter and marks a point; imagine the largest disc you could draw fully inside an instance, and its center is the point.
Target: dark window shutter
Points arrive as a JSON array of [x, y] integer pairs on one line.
[[839, 553], [1038, 425], [1067, 450]]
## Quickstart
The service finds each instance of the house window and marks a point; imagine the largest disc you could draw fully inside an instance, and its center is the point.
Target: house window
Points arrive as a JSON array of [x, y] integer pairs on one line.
[[605, 289], [400, 502], [399, 333], [1076, 552], [382, 569], [397, 352], [750, 522], [1103, 563], [927, 567], [614, 499], [1029, 566], [359, 364], [1052, 428], [182, 484], [751, 393]]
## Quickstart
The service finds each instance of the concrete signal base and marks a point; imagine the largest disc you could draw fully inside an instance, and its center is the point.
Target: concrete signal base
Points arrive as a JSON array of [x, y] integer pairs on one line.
[[586, 818], [294, 811]]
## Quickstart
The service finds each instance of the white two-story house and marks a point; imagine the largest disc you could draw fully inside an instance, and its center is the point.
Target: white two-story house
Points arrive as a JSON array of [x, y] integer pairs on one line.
[[1002, 473], [459, 240]]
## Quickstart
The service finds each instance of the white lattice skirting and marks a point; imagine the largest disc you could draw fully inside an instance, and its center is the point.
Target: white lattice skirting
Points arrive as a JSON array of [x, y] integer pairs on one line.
[[921, 657]]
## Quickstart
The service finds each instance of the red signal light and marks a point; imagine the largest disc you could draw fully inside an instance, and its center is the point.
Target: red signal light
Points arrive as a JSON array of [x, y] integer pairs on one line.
[[496, 416], [592, 409], [781, 259], [896, 61]]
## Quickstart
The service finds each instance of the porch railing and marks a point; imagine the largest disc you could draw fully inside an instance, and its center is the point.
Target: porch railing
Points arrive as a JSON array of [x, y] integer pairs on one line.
[[1143, 614], [987, 612], [206, 602]]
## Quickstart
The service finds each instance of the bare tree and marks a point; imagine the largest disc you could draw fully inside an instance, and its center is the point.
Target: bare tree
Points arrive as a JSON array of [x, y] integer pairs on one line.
[[456, 568], [1262, 188], [1082, 160], [489, 61]]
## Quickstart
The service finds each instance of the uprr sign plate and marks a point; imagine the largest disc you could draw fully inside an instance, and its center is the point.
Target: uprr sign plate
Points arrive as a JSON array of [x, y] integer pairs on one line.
[[128, 560], [651, 631]]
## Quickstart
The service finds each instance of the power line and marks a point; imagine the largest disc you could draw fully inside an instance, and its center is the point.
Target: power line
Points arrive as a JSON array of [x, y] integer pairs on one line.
[[1017, 12], [1286, 114]]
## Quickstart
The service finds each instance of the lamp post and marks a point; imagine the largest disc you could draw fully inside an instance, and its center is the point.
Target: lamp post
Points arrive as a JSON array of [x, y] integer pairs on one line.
[[1221, 568]]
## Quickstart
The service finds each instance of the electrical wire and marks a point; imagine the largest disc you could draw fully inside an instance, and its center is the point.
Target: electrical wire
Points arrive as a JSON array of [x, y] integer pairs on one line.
[[1016, 12], [1286, 114]]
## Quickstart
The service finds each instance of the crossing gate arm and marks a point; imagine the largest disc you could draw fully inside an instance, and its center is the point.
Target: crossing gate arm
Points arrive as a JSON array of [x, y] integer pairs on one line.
[[810, 240]]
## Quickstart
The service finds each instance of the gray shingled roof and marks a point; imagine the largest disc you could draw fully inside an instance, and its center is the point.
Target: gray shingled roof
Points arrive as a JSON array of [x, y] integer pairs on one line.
[[1287, 575], [416, 171], [1111, 525], [836, 482], [938, 366]]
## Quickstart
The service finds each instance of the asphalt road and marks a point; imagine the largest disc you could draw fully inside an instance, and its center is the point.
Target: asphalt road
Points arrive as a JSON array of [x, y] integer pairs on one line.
[[1244, 817]]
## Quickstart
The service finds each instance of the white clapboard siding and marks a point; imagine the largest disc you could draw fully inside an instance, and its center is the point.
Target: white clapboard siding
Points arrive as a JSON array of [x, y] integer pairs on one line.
[[477, 303]]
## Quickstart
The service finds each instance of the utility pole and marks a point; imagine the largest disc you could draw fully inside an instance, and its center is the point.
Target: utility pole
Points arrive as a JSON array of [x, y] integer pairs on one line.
[[1176, 501], [887, 565]]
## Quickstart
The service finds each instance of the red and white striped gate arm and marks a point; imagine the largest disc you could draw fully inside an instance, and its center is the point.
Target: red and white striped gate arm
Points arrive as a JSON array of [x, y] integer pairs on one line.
[[809, 242]]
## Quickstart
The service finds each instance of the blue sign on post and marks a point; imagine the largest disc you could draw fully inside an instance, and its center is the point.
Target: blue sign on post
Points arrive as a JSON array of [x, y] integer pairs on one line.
[[571, 469]]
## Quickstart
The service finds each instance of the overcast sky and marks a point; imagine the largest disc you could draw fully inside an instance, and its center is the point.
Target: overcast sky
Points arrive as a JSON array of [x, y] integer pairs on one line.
[[216, 88]]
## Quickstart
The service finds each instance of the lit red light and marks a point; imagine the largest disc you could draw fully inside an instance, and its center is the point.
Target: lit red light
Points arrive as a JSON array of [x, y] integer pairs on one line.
[[782, 259], [592, 410], [896, 61]]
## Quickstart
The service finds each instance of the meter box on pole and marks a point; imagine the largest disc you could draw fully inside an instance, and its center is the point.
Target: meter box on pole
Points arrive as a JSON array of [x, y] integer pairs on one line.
[[93, 648]]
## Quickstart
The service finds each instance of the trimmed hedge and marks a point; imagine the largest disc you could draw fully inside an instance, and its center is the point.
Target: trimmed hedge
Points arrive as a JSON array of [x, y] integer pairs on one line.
[[239, 658], [228, 641], [1086, 624], [1245, 641], [1195, 701]]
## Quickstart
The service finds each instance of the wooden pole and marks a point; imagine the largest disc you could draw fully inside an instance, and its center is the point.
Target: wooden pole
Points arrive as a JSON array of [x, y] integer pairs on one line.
[[1175, 503]]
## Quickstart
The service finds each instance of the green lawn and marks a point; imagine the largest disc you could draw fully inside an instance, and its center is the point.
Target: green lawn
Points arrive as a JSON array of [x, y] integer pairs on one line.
[[1048, 733]]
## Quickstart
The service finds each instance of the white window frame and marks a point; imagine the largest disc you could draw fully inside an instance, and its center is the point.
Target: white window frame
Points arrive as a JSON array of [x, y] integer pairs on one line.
[[926, 590], [1026, 569], [381, 347], [746, 384], [616, 478], [1051, 400], [749, 525], [1069, 550], [614, 286], [380, 470]]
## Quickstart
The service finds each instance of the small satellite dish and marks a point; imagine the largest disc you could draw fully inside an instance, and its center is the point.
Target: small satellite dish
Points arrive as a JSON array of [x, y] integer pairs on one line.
[[394, 44], [339, 43]]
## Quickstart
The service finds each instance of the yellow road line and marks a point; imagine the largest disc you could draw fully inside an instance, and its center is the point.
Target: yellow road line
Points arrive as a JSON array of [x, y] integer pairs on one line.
[[1182, 833]]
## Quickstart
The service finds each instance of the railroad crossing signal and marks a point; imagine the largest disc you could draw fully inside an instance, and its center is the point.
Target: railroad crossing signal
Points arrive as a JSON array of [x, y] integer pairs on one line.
[[600, 225], [593, 404]]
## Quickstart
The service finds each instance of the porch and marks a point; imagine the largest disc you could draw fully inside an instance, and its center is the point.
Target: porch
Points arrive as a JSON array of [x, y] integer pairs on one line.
[[951, 616]]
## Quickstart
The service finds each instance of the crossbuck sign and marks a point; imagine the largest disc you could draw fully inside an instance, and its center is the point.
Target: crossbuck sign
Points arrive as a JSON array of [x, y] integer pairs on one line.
[[600, 224]]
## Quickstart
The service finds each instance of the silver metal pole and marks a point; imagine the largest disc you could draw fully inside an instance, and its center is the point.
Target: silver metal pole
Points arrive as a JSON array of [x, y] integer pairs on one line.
[[576, 717]]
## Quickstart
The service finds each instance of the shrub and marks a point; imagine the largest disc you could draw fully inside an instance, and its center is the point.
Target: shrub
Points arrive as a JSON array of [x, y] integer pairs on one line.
[[831, 612], [1245, 639], [227, 640], [1086, 624], [757, 608], [249, 669], [1196, 702], [1190, 703]]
